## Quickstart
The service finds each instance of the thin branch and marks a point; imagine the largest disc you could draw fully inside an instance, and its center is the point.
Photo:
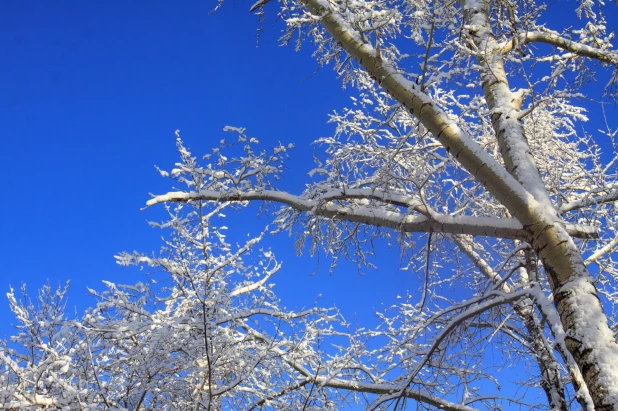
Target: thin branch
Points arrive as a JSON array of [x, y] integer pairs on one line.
[[576, 205], [601, 252]]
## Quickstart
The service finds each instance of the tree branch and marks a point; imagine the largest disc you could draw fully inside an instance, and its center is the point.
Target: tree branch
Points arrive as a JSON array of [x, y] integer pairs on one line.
[[357, 386], [501, 299], [577, 204], [602, 251], [604, 56], [438, 223]]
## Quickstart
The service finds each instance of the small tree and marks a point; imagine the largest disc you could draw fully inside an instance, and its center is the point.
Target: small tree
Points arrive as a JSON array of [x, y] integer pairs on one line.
[[208, 334]]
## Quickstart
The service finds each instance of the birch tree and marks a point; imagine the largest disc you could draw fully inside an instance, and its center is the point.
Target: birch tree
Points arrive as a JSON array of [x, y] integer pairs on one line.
[[466, 147], [468, 124]]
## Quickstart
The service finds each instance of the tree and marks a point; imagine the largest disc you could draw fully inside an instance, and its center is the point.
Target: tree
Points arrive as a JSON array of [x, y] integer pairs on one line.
[[209, 334], [440, 142], [465, 147]]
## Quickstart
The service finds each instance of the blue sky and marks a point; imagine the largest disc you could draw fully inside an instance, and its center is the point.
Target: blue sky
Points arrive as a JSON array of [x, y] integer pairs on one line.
[[89, 102], [90, 97]]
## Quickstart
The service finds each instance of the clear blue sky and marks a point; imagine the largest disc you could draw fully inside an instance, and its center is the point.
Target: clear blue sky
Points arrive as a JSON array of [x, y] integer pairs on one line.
[[91, 93], [90, 97]]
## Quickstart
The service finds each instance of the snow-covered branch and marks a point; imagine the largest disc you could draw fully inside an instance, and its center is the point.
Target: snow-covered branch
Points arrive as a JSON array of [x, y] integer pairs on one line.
[[554, 39], [589, 201], [607, 248], [356, 386], [531, 205], [475, 310], [436, 223]]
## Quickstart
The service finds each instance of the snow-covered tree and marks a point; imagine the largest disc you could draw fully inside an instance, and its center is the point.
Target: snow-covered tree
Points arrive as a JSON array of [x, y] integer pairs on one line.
[[206, 332], [466, 147], [468, 124]]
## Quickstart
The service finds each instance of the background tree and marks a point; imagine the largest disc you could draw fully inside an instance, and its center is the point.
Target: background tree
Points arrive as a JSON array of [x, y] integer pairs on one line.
[[205, 332]]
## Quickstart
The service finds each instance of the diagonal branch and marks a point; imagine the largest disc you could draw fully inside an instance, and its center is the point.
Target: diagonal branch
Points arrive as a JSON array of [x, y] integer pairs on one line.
[[548, 364], [601, 252], [501, 298]]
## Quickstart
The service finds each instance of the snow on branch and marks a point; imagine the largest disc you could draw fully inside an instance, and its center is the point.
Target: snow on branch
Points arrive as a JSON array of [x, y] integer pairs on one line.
[[478, 306], [588, 201], [600, 54], [607, 248], [358, 386], [484, 226]]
